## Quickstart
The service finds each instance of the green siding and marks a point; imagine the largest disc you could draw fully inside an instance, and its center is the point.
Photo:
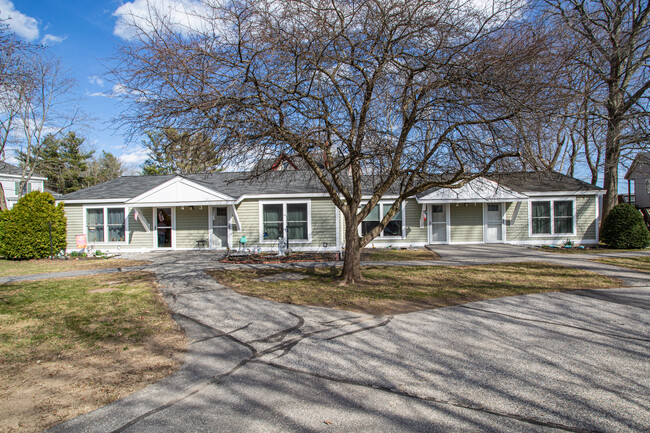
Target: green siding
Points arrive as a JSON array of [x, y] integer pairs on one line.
[[414, 234], [74, 217], [138, 237], [191, 226], [323, 224], [466, 222], [518, 230]]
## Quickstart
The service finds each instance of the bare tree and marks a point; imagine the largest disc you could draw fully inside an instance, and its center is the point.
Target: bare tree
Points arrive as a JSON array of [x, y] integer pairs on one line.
[[417, 93], [44, 107], [615, 35]]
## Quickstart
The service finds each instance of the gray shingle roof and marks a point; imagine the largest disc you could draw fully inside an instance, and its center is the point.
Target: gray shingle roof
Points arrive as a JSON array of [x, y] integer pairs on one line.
[[236, 184], [13, 170]]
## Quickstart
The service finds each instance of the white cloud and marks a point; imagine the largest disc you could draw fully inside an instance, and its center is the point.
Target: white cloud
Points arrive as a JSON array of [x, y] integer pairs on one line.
[[24, 26], [49, 39], [97, 81], [135, 157], [144, 16]]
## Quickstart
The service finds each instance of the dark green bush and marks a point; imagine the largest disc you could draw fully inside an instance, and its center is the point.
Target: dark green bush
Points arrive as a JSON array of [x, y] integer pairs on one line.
[[624, 228], [24, 231]]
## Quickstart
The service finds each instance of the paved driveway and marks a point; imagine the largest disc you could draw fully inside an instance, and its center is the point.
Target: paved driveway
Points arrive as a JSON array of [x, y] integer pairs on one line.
[[556, 361]]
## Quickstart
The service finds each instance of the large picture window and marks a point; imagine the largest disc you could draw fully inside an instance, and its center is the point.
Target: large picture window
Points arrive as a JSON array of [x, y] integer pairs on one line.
[[106, 225], [393, 228], [290, 220], [552, 217]]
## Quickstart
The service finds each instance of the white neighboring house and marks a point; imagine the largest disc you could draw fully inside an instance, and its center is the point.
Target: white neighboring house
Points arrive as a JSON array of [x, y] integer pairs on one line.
[[10, 176]]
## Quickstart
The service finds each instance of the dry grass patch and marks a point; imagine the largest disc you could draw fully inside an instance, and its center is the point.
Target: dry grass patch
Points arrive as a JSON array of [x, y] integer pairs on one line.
[[397, 255], [393, 290], [67, 348], [637, 263], [9, 268]]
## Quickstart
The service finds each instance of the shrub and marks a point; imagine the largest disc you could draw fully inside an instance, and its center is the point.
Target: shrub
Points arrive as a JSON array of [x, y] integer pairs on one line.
[[624, 228], [24, 230]]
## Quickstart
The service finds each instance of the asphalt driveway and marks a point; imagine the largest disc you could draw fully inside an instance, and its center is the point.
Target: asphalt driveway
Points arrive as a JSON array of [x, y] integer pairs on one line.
[[574, 361]]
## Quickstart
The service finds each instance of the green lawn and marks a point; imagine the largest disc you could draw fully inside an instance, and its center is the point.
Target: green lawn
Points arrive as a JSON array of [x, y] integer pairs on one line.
[[397, 255], [637, 263], [71, 345], [10, 268], [389, 290]]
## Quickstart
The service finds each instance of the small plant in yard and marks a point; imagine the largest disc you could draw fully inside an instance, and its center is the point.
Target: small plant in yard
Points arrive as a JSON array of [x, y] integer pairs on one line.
[[624, 228], [34, 228]]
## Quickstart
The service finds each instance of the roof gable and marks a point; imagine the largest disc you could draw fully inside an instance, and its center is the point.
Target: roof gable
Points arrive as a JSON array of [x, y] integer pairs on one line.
[[476, 190], [179, 190]]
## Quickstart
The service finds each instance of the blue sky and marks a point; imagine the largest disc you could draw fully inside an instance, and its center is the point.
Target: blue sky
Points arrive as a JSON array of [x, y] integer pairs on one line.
[[82, 34], [85, 34]]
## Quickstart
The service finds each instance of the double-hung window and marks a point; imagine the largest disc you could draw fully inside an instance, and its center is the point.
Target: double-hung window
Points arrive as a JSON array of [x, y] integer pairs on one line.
[[289, 220], [394, 228], [552, 217], [106, 225]]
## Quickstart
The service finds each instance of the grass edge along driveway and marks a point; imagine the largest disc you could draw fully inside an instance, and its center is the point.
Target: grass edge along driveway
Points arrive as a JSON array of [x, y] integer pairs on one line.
[[395, 289]]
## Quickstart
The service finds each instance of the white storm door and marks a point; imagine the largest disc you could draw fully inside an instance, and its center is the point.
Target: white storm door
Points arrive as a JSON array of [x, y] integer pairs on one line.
[[164, 219], [438, 223], [494, 223], [219, 232]]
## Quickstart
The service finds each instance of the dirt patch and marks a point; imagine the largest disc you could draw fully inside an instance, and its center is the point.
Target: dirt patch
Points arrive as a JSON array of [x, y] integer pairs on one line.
[[78, 350]]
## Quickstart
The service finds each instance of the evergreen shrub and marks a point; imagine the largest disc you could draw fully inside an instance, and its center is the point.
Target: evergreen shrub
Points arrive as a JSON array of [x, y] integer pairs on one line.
[[624, 228]]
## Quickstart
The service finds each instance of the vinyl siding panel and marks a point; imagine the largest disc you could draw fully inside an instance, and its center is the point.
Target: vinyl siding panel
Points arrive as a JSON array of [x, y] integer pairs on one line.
[[414, 234], [191, 226], [323, 223], [586, 223], [466, 222], [138, 237], [248, 211], [74, 218]]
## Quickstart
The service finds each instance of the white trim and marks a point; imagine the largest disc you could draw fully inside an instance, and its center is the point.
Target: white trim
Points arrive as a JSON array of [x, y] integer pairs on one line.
[[306, 196], [597, 219], [284, 203], [211, 227], [551, 201], [179, 179], [337, 213], [155, 229], [141, 218], [502, 209], [533, 194], [232, 209], [19, 176], [93, 202], [546, 242], [447, 211], [105, 208], [381, 216]]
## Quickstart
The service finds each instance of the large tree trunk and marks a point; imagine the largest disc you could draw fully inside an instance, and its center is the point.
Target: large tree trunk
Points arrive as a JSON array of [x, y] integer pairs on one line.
[[352, 262], [3, 199], [612, 156]]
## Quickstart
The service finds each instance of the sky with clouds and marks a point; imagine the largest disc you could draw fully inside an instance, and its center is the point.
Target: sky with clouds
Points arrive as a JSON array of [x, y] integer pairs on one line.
[[85, 34]]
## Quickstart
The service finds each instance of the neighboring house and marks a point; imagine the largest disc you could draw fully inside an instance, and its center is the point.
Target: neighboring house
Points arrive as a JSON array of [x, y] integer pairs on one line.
[[10, 176], [217, 210], [639, 173]]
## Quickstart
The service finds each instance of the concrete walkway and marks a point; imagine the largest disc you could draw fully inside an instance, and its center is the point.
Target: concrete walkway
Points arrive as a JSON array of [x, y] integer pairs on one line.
[[572, 361]]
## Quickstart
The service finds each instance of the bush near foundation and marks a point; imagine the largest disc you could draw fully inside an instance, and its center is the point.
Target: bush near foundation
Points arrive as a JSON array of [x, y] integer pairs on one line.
[[624, 228], [24, 230]]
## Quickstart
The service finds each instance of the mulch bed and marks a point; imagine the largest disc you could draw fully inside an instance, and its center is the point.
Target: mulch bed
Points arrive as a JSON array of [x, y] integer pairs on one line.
[[274, 258]]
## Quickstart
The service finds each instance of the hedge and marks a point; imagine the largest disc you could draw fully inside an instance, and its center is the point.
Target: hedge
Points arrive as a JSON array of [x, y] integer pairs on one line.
[[24, 230], [624, 228]]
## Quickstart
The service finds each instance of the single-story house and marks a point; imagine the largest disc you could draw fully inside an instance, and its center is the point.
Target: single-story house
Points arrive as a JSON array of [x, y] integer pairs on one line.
[[219, 210], [10, 177]]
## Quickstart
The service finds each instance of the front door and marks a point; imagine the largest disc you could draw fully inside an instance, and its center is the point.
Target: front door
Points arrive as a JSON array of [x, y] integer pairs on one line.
[[164, 227], [219, 233], [438, 224], [493, 223]]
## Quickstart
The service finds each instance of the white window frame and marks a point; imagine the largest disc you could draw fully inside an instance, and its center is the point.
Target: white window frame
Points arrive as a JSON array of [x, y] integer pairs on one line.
[[647, 187], [381, 216], [155, 228], [284, 204], [105, 208], [552, 201]]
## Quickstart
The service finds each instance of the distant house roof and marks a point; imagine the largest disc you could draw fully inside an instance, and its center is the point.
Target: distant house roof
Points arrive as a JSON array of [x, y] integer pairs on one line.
[[281, 183], [12, 170], [640, 165]]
